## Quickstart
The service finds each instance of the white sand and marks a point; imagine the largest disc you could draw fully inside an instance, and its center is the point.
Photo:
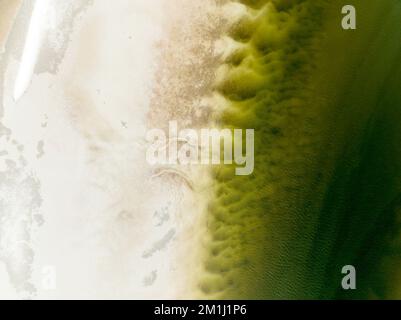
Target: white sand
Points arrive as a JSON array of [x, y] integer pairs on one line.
[[111, 229]]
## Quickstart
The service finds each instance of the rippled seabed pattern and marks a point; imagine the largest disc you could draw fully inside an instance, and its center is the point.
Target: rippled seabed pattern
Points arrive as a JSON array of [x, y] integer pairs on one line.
[[325, 104], [326, 189]]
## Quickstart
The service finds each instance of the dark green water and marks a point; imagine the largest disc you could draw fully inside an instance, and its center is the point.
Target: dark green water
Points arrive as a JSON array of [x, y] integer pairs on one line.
[[325, 104]]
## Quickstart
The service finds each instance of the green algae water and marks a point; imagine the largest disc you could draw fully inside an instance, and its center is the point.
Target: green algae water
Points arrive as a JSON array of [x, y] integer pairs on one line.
[[325, 104]]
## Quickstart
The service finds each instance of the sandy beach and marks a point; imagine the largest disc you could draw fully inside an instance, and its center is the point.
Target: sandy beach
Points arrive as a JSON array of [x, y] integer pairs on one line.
[[97, 221]]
